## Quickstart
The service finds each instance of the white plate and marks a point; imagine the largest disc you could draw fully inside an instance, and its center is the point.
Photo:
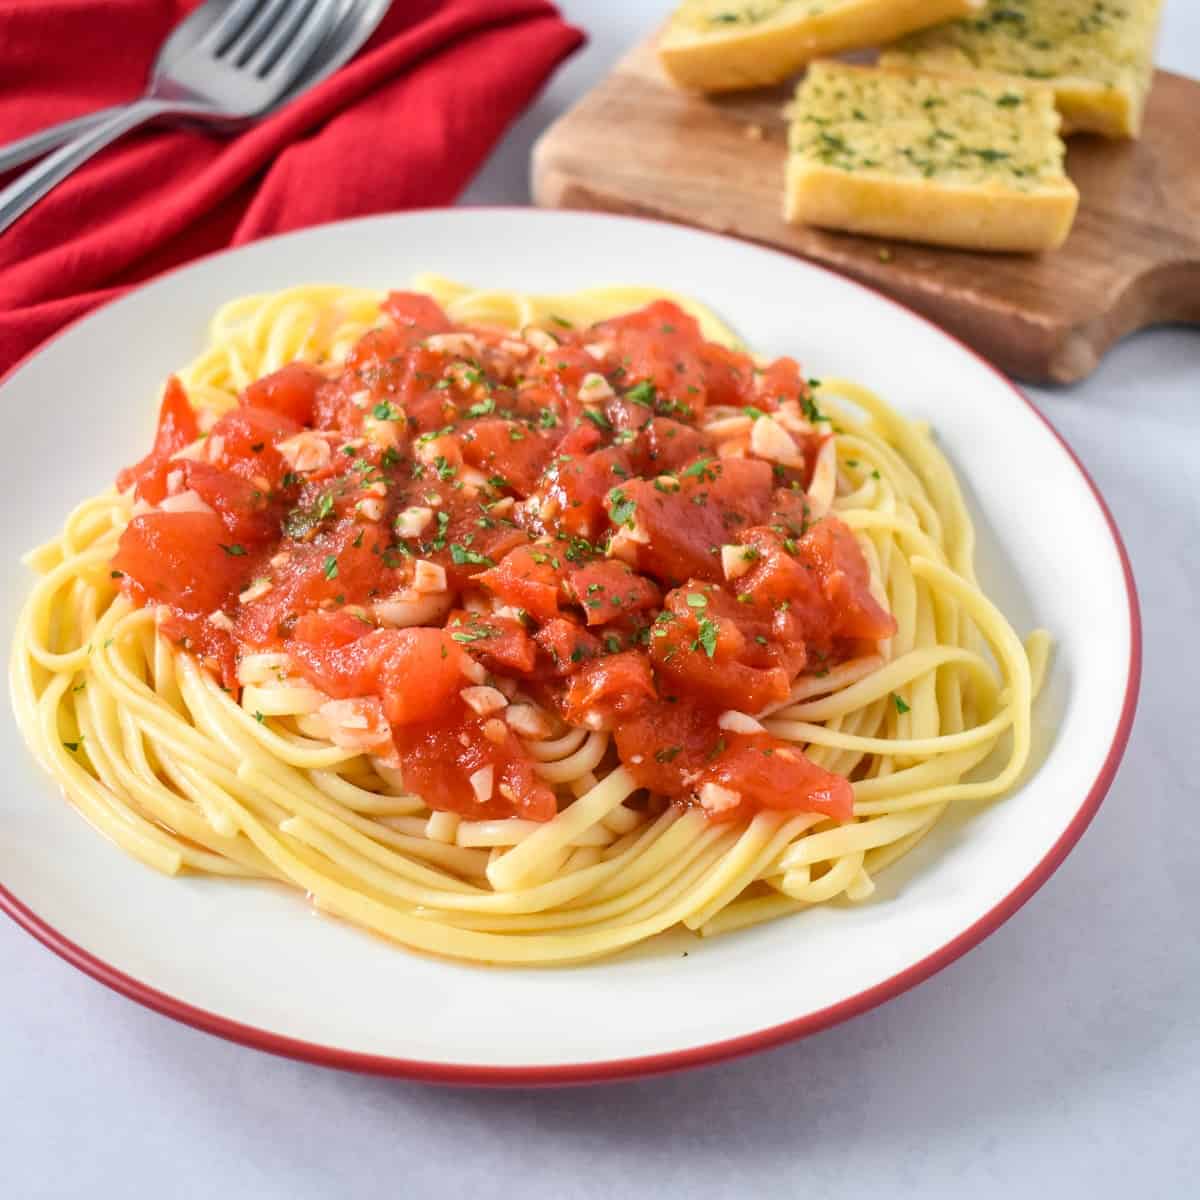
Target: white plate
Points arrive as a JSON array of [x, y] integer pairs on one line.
[[252, 963]]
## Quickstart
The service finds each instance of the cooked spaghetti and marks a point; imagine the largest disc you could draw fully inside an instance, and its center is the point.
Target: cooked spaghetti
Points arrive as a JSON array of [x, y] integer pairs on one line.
[[521, 629]]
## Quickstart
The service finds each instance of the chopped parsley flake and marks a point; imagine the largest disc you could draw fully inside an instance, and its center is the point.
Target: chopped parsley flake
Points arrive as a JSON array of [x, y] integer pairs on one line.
[[465, 636], [460, 555], [809, 405], [643, 394], [622, 509]]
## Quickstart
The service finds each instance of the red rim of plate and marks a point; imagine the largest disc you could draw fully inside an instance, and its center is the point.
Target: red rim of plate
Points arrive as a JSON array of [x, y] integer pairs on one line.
[[651, 1064]]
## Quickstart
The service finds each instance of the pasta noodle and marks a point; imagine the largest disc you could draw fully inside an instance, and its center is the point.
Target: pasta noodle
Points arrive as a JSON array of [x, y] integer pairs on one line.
[[190, 777]]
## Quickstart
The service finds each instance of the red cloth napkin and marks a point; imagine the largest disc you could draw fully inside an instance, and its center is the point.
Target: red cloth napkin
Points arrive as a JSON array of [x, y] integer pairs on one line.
[[405, 124]]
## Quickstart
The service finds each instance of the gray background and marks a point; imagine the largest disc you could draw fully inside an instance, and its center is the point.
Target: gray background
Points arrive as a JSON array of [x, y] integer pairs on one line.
[[1060, 1058]]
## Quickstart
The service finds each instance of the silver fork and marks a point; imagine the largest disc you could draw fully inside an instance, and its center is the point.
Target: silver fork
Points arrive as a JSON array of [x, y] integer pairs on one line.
[[250, 57], [356, 21], [179, 41]]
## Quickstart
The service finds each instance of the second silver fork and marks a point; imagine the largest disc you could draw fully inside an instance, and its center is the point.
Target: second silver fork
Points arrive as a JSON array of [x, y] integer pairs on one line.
[[254, 53]]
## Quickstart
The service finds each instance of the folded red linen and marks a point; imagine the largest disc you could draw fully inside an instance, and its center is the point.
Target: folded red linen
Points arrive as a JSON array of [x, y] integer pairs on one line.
[[404, 125]]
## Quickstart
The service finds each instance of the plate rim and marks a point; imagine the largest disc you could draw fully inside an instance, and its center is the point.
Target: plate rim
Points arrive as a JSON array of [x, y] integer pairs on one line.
[[608, 1070]]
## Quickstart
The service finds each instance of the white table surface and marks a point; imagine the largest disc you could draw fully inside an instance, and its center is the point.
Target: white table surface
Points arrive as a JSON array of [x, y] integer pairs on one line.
[[1060, 1058]]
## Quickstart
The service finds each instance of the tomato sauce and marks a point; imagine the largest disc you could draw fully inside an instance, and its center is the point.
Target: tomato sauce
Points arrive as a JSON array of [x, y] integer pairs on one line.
[[457, 512]]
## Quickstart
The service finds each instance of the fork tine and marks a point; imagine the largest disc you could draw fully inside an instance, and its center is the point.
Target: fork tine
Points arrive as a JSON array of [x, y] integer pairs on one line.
[[291, 57], [239, 50], [229, 25], [280, 37]]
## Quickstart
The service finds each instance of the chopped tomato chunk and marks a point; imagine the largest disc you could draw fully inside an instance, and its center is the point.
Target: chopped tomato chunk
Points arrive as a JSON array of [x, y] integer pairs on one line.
[[660, 346], [666, 744], [184, 559], [665, 446], [418, 673], [605, 689], [244, 442], [346, 560], [377, 362], [421, 672], [416, 314], [248, 513], [177, 428], [727, 379], [706, 645], [830, 550], [290, 392], [781, 592], [781, 380], [509, 449], [567, 644], [766, 773], [528, 577], [579, 485], [678, 532], [460, 536], [607, 590], [473, 766], [501, 643], [330, 628]]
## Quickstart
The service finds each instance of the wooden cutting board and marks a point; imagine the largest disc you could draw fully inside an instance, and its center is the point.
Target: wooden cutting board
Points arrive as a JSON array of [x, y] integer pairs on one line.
[[636, 144]]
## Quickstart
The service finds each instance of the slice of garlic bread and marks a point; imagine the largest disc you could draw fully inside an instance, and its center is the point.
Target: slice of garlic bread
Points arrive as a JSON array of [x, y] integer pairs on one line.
[[976, 164], [724, 45], [1098, 55]]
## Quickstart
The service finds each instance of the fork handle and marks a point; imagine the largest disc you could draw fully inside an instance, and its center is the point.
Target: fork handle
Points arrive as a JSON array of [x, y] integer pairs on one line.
[[30, 187], [25, 149]]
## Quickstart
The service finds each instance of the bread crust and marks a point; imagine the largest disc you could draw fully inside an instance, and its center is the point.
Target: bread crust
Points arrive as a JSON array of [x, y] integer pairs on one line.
[[1086, 106], [1113, 109], [989, 212], [770, 51], [973, 217]]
